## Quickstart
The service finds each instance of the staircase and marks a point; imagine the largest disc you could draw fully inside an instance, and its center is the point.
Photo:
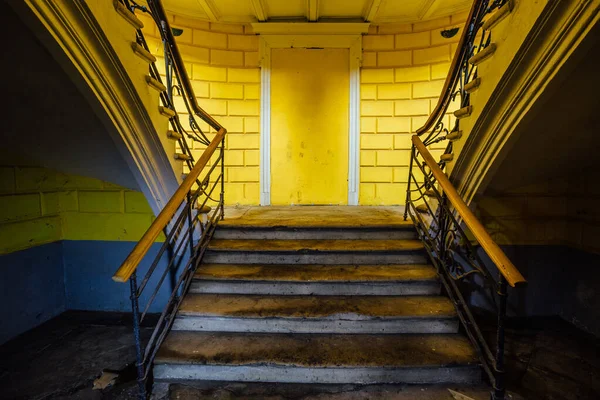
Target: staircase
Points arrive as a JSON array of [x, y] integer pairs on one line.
[[316, 295]]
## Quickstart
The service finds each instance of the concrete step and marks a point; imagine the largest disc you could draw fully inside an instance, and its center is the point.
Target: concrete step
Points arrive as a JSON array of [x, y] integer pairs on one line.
[[252, 251], [333, 280], [316, 314], [337, 359], [314, 232]]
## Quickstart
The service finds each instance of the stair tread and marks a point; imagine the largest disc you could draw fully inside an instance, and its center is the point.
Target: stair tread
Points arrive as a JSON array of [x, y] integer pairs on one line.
[[316, 217], [340, 245], [309, 350], [316, 273], [300, 306]]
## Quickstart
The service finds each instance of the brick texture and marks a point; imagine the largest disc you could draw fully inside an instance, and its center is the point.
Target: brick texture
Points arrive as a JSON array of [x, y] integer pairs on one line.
[[224, 67], [403, 70]]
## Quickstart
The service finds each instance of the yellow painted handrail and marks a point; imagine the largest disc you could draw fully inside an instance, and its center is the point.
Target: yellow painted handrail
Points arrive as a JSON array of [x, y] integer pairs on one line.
[[141, 248], [506, 268]]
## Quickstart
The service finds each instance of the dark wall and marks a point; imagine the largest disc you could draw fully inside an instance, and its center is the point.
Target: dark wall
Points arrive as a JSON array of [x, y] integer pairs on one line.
[[39, 283], [32, 288], [561, 281]]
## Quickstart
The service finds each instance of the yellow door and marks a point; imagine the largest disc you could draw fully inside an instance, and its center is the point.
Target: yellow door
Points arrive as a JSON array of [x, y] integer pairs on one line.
[[309, 126]]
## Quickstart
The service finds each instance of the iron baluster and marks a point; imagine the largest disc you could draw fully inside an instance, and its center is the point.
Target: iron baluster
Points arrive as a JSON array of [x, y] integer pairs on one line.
[[499, 387], [412, 157], [189, 206], [136, 333], [222, 179]]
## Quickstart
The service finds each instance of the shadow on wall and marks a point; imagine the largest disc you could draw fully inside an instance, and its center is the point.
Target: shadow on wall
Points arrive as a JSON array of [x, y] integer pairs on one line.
[[40, 283], [561, 280]]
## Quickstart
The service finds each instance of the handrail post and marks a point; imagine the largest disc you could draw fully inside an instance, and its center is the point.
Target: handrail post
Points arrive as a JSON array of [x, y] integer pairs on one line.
[[223, 179], [191, 223], [410, 165], [136, 333], [499, 384]]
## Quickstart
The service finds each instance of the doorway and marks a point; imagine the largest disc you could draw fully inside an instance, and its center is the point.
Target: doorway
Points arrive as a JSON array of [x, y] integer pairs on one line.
[[309, 126]]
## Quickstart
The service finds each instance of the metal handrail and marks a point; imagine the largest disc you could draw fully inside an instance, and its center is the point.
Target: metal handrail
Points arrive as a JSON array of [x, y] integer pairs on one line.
[[160, 16], [160, 223], [504, 265], [187, 220], [453, 76]]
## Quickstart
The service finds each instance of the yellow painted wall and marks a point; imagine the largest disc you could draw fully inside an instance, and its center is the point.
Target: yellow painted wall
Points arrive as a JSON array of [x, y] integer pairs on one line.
[[555, 211], [404, 67], [222, 61], [39, 206], [309, 126]]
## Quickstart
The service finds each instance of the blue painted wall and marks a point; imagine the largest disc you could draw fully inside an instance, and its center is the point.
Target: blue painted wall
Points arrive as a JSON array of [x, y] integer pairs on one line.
[[32, 288], [39, 283], [89, 266]]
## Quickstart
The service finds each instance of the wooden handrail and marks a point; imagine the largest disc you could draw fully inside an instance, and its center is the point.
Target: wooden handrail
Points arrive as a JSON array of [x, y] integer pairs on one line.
[[141, 248], [454, 72], [506, 268]]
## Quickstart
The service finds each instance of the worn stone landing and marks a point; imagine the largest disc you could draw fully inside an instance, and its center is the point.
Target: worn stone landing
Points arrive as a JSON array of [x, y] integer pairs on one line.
[[315, 216], [303, 358], [269, 391]]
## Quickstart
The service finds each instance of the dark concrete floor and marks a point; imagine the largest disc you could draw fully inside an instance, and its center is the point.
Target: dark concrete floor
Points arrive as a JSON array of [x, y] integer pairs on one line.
[[546, 359], [61, 358]]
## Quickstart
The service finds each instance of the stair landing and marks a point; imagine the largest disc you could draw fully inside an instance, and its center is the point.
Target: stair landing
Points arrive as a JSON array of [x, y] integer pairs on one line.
[[318, 216]]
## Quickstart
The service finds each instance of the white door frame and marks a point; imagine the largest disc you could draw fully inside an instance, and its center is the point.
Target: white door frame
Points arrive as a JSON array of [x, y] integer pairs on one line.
[[352, 42]]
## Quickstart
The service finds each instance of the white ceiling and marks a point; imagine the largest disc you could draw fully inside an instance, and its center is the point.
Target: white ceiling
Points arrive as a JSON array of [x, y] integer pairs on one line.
[[376, 11]]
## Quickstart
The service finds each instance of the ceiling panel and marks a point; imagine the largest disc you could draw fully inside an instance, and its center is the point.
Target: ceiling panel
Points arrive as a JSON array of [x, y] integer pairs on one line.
[[405, 11], [444, 8], [342, 8], [235, 9], [190, 8], [285, 8]]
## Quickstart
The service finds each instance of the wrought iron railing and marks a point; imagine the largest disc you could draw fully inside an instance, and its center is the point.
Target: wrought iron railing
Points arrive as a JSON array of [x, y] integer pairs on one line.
[[453, 237], [474, 39], [190, 217]]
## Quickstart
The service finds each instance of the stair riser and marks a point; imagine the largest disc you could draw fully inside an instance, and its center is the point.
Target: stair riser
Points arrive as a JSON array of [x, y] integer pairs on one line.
[[339, 324], [292, 374], [317, 288], [226, 257], [308, 234]]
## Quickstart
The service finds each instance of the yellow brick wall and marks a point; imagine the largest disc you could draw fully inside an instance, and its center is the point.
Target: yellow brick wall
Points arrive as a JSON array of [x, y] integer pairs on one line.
[[404, 67], [557, 211], [39, 206], [222, 62], [403, 71]]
